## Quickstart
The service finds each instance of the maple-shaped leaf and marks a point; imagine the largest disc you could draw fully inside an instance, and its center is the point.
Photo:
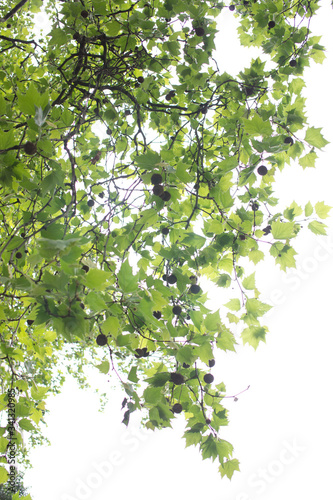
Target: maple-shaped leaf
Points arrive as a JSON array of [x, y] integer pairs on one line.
[[322, 210], [314, 137], [208, 447], [229, 467]]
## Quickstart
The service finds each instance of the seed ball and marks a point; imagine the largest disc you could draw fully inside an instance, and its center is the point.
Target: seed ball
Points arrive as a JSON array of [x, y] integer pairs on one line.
[[177, 408], [90, 203], [208, 421], [101, 339], [127, 112], [293, 63], [157, 314], [199, 31], [172, 279], [255, 206], [30, 148], [165, 230], [109, 131], [85, 268], [242, 237], [164, 277], [177, 378], [84, 14], [249, 90], [156, 179], [8, 25], [165, 196], [141, 79], [170, 95], [271, 24], [139, 353], [101, 195], [208, 378], [289, 140], [262, 170], [18, 255], [211, 363], [158, 190], [195, 289], [177, 310], [232, 8]]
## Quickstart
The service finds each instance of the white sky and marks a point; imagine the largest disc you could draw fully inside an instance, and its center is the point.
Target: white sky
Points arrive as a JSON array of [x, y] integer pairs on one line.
[[280, 427]]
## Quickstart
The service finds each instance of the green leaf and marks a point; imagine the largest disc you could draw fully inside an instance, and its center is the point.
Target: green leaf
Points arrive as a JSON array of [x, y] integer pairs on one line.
[[322, 210], [314, 137], [194, 240], [103, 367], [256, 307], [224, 449], [132, 376], [97, 279], [152, 395], [209, 448], [233, 305], [223, 280], [283, 230], [308, 209], [253, 335], [257, 126], [229, 467], [3, 475], [127, 280], [308, 160], [26, 424], [59, 37], [38, 392], [148, 160], [249, 282], [159, 379], [31, 98], [95, 302], [317, 227], [226, 340], [110, 326], [256, 256], [205, 351], [186, 354], [3, 445], [192, 437], [213, 321]]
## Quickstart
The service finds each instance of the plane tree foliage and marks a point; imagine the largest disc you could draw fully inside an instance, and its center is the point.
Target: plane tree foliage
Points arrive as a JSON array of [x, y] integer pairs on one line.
[[133, 170]]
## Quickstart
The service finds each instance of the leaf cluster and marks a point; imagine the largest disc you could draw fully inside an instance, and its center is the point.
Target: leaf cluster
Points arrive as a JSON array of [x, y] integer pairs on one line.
[[117, 105]]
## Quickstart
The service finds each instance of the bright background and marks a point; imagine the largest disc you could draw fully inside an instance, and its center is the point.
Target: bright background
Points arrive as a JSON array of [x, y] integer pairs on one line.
[[281, 426]]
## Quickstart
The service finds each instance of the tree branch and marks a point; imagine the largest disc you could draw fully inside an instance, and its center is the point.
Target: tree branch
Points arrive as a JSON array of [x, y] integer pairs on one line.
[[13, 11]]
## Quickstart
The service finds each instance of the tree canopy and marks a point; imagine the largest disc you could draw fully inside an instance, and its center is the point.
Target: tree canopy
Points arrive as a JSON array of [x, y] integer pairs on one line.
[[134, 169]]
